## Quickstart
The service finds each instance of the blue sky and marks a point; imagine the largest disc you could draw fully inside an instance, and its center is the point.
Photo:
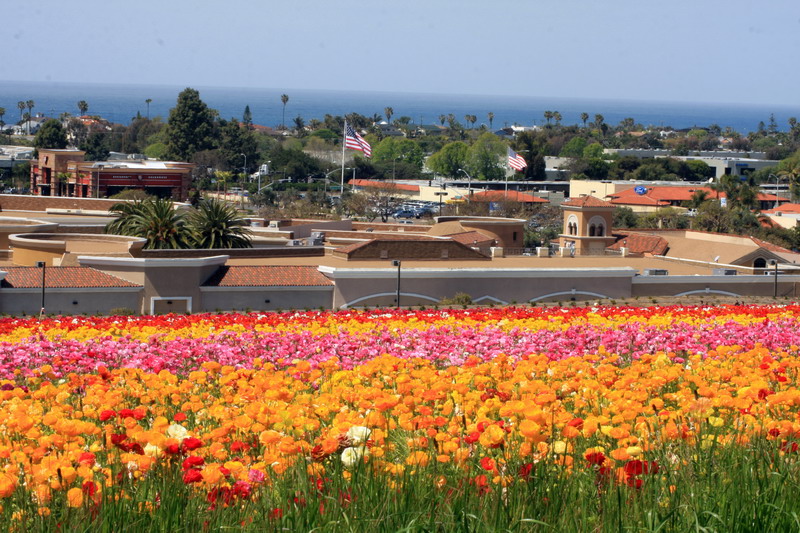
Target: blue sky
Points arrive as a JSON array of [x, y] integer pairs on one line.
[[730, 51]]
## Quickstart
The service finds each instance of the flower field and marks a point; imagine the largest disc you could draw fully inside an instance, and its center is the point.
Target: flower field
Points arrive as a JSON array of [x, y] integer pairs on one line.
[[518, 419]]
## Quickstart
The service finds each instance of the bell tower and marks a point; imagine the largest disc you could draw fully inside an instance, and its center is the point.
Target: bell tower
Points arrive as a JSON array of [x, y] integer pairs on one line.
[[587, 225]]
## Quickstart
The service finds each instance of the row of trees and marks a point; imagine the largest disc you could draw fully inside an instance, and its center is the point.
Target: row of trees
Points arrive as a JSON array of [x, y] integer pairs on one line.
[[194, 132], [210, 224]]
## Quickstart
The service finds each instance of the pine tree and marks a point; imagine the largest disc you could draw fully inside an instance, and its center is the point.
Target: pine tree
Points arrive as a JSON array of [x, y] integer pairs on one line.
[[190, 127], [50, 135]]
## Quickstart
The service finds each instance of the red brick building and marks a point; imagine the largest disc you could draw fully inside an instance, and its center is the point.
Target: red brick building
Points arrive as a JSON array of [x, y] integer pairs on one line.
[[65, 173]]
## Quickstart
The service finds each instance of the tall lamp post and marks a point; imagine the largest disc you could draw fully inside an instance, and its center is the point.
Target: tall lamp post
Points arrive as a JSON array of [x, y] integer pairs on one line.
[[440, 194], [397, 263], [469, 184], [777, 187], [43, 266], [775, 281]]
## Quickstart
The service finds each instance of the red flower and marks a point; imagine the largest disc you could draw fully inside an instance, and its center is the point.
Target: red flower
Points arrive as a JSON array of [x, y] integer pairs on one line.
[[191, 443], [192, 461], [107, 415], [239, 446], [242, 489], [634, 482], [192, 475], [86, 458], [89, 488], [126, 413], [525, 471], [595, 458], [487, 463], [472, 438], [576, 423], [179, 417], [118, 438], [172, 449], [789, 447], [276, 514], [636, 467]]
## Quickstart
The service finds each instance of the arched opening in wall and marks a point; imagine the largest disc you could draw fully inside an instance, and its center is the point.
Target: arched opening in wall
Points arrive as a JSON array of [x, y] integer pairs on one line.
[[600, 230], [760, 263], [591, 230]]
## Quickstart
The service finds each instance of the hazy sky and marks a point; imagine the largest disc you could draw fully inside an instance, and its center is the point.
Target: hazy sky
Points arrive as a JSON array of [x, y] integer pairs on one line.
[[672, 50]]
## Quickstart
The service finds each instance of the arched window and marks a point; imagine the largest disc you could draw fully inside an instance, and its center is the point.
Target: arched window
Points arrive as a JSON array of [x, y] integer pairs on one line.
[[600, 230], [760, 263], [591, 230]]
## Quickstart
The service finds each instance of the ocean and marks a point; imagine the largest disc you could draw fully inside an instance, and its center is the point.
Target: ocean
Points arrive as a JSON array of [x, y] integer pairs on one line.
[[121, 103]]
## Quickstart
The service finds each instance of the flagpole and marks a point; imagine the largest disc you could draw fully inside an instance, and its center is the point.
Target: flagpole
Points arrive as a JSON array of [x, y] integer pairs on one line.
[[344, 143]]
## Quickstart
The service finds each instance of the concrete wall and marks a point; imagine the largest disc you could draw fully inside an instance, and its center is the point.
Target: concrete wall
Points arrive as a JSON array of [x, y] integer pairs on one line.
[[788, 286], [362, 287], [21, 202], [265, 298], [68, 301]]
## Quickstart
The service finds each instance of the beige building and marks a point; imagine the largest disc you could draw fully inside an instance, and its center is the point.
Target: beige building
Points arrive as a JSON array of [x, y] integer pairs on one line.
[[587, 226]]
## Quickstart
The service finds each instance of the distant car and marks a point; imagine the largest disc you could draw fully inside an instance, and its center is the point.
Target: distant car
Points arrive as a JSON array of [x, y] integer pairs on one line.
[[404, 213], [423, 212]]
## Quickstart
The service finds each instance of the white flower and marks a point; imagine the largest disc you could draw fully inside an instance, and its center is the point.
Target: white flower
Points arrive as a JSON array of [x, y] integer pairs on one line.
[[177, 431], [151, 450], [351, 456], [358, 434]]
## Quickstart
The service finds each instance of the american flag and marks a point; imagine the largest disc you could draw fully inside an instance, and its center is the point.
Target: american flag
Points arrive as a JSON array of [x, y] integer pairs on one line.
[[516, 161], [355, 141]]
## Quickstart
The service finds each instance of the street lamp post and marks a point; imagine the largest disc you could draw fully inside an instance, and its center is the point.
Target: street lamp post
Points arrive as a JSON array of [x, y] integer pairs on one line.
[[43, 266], [777, 187], [469, 184], [775, 281], [397, 263], [440, 194]]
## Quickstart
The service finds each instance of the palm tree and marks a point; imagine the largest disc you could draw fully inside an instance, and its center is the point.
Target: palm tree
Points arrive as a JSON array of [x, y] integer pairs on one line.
[[584, 118], [442, 119], [217, 224], [30, 104], [548, 115], [598, 121], [300, 125], [83, 107], [388, 111], [490, 116], [21, 107], [284, 101], [2, 113], [156, 220], [148, 107], [790, 169], [557, 117]]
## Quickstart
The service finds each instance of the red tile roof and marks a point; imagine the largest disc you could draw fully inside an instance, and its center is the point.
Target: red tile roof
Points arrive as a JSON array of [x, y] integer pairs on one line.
[[61, 277], [769, 246], [587, 201], [510, 196], [664, 195], [267, 276], [784, 208], [640, 243], [470, 238], [384, 185]]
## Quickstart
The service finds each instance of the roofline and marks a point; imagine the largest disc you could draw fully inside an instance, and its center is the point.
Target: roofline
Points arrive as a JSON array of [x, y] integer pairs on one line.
[[172, 262], [422, 273], [274, 288]]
